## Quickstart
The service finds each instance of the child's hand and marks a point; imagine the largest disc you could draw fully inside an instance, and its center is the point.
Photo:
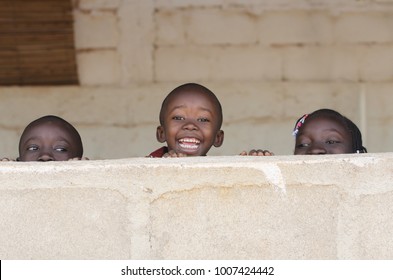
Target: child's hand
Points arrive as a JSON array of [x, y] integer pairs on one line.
[[6, 159], [77, 158], [257, 153], [173, 153]]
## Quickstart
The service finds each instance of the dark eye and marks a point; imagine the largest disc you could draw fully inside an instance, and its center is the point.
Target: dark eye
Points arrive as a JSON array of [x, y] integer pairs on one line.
[[178, 118], [332, 142], [203, 120], [60, 149], [303, 145], [32, 148]]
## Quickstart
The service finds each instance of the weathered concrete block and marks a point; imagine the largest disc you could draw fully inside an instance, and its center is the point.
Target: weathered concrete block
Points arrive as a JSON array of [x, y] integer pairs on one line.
[[187, 3], [96, 30], [373, 64], [62, 222], [242, 27], [292, 207], [313, 63], [379, 116], [171, 27], [98, 4], [9, 143], [99, 67], [302, 97], [217, 63], [278, 140], [136, 43], [295, 27], [364, 27]]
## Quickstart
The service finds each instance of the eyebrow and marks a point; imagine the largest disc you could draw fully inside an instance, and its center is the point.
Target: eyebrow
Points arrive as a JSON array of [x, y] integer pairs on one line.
[[36, 138], [342, 133], [182, 106]]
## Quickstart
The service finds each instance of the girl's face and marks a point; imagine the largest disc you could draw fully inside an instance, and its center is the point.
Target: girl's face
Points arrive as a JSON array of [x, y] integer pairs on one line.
[[323, 135]]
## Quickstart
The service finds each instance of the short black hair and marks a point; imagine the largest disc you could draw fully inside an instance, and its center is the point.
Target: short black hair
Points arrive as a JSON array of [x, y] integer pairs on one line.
[[191, 87], [48, 118], [356, 135]]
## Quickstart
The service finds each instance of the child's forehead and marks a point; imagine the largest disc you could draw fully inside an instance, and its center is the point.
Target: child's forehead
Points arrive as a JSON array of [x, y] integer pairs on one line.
[[191, 96], [56, 125], [325, 121], [48, 123]]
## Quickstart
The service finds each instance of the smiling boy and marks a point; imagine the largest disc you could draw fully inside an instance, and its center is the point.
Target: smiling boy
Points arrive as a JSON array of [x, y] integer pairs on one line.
[[190, 122]]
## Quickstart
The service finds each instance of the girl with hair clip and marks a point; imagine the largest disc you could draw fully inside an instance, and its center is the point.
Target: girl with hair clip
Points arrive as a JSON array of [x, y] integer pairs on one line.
[[326, 131]]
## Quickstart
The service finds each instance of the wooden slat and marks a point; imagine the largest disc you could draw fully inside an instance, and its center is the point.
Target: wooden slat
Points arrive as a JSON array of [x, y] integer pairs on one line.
[[35, 27], [37, 42]]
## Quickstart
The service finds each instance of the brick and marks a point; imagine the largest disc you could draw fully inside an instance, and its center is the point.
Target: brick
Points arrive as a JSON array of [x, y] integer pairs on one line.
[[79, 223], [217, 63], [225, 26], [305, 97], [295, 27], [101, 67], [9, 143], [383, 1], [98, 4], [376, 63], [257, 134], [379, 116], [320, 64], [364, 27], [186, 3], [136, 43], [170, 27], [365, 226], [96, 30], [124, 142]]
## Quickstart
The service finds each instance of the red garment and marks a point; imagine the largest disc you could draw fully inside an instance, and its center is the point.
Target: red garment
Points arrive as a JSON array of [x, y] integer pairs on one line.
[[159, 152]]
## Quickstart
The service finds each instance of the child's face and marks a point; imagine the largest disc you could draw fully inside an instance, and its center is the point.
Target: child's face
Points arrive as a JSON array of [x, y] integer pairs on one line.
[[191, 124], [323, 136], [48, 141]]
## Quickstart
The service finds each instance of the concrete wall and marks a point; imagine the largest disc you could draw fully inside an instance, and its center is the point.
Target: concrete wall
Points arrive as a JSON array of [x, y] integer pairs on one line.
[[268, 61], [282, 207]]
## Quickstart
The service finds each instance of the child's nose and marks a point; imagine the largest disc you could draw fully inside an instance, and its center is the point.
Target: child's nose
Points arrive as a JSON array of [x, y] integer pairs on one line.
[[190, 125], [317, 149], [45, 156]]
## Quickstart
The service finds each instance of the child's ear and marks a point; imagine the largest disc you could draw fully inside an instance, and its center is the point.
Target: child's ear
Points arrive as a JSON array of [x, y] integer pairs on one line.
[[219, 138], [160, 134]]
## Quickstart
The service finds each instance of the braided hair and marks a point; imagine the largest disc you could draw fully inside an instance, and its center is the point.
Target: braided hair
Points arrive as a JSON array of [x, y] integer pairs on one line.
[[357, 145]]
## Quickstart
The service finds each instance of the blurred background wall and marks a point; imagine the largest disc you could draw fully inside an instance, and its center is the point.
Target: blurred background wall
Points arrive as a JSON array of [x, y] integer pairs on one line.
[[268, 61]]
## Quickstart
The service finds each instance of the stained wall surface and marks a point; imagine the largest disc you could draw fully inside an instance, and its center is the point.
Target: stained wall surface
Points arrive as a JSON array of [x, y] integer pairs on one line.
[[282, 207], [269, 62]]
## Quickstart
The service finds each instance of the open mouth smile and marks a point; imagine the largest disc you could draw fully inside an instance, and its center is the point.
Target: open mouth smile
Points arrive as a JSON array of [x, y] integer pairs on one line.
[[189, 144]]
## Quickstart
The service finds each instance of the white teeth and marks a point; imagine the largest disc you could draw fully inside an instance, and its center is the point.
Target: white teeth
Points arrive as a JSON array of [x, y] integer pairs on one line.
[[189, 147], [189, 140], [189, 143]]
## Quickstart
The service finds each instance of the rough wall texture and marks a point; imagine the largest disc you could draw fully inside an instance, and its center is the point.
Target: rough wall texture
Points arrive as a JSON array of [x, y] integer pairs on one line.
[[283, 207], [268, 61]]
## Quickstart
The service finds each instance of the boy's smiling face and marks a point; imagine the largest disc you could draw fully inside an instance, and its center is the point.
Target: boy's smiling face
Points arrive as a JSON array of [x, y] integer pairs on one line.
[[191, 123], [323, 135], [49, 141]]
